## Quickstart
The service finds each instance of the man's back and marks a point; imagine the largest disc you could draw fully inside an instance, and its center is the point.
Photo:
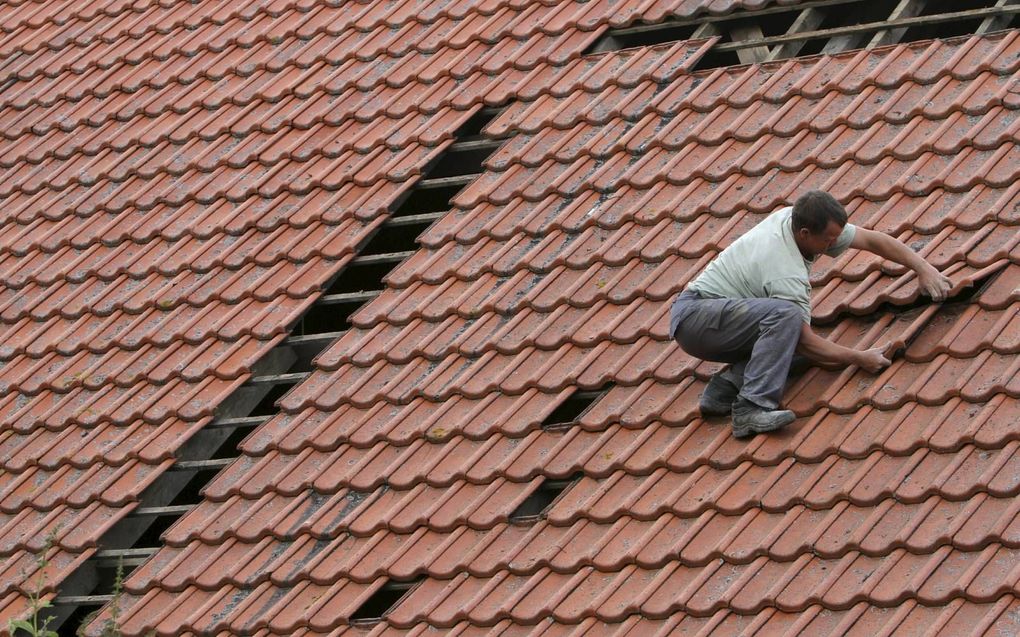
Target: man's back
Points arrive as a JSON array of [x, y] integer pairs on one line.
[[765, 263]]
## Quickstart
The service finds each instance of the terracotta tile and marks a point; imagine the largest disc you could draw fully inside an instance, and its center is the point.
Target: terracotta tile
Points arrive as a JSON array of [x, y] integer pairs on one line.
[[911, 478], [978, 617], [984, 518], [23, 567], [27, 529], [1005, 463], [674, 410], [789, 534]]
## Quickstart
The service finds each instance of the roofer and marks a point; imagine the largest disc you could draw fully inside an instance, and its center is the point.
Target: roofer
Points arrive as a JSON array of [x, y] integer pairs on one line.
[[751, 307]]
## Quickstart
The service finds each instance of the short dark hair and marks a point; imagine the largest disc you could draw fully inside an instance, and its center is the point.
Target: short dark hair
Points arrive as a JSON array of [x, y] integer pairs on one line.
[[815, 209]]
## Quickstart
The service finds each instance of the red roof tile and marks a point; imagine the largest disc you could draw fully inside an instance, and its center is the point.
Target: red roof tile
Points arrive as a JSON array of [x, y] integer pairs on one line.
[[181, 181]]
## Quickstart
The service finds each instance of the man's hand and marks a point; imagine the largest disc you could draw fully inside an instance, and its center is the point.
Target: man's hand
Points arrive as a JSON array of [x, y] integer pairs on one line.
[[933, 283], [873, 360]]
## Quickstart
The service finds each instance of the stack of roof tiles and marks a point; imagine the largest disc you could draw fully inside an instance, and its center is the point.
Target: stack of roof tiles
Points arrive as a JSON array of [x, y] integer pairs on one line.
[[182, 179]]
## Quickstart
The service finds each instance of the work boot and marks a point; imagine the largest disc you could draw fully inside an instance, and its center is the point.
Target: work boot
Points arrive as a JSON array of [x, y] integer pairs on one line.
[[718, 397], [750, 419]]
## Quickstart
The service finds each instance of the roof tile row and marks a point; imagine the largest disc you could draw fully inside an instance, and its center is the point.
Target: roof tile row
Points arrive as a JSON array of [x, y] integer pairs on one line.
[[603, 495], [607, 547], [900, 213], [149, 81], [598, 450], [156, 326], [827, 85], [840, 584], [956, 618], [637, 357]]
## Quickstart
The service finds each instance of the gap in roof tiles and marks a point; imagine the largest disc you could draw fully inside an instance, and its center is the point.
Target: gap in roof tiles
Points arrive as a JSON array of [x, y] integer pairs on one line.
[[396, 239], [539, 501], [382, 601], [576, 405], [828, 26], [325, 321], [138, 535]]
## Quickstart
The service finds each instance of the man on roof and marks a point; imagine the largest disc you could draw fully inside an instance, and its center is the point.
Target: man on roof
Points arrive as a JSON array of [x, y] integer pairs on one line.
[[751, 308]]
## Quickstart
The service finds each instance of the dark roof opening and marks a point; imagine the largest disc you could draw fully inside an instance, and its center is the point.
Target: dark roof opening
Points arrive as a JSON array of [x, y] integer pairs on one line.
[[536, 504], [383, 601], [80, 616], [567, 412], [267, 406], [428, 197], [826, 26]]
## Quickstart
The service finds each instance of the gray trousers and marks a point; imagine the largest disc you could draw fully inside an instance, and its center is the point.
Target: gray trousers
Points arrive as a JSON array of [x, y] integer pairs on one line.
[[757, 336]]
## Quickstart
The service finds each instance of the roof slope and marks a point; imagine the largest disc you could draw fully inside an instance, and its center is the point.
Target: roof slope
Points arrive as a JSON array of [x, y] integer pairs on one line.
[[890, 505], [179, 181]]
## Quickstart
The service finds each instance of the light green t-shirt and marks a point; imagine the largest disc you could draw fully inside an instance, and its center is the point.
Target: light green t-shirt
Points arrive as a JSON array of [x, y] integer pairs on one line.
[[765, 263]]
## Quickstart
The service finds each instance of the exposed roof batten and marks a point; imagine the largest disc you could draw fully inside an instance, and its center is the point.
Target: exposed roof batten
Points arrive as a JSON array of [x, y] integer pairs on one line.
[[827, 26]]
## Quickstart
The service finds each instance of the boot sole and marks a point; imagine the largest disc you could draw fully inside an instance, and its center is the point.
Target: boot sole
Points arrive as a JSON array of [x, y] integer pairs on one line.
[[744, 431]]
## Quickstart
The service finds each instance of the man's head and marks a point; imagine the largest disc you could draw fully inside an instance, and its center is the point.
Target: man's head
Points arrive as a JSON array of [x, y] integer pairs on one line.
[[817, 221]]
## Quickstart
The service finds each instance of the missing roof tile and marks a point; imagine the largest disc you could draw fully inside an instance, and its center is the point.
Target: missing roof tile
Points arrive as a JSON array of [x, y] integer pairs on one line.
[[570, 410], [824, 26], [452, 171], [981, 281], [536, 504], [383, 601], [396, 239]]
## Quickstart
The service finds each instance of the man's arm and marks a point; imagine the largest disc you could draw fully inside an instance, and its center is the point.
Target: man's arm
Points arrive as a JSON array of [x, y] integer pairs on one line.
[[933, 282], [826, 352]]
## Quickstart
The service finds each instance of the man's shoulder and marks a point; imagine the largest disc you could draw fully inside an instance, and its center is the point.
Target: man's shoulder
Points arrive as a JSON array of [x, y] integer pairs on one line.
[[771, 233], [780, 215], [773, 224]]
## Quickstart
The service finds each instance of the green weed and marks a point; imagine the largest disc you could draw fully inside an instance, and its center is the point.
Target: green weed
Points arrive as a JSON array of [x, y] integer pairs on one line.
[[35, 625]]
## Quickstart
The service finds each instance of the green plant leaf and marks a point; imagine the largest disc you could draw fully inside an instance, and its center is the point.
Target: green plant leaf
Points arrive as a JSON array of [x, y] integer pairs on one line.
[[20, 624]]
